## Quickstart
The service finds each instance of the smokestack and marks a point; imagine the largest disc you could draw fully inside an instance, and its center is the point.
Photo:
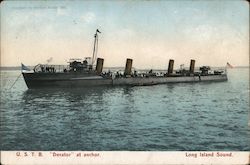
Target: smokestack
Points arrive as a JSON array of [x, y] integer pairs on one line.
[[128, 67], [170, 66], [191, 69], [99, 65]]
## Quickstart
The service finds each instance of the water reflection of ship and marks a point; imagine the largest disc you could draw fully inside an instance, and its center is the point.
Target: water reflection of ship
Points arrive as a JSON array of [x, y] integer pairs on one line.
[[84, 73], [68, 95]]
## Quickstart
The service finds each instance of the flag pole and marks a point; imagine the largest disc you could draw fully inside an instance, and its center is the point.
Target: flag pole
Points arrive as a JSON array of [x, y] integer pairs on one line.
[[95, 47]]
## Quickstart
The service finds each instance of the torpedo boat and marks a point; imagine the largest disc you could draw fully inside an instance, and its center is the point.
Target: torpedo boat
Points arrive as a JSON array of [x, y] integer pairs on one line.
[[85, 73]]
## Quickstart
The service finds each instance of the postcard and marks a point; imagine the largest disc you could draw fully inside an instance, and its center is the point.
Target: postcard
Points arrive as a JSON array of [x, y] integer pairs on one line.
[[124, 82]]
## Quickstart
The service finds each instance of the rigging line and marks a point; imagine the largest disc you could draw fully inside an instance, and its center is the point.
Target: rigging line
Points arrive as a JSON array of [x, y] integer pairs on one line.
[[15, 81]]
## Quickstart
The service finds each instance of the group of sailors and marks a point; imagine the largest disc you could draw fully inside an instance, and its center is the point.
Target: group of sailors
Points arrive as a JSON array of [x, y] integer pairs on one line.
[[118, 74], [135, 73]]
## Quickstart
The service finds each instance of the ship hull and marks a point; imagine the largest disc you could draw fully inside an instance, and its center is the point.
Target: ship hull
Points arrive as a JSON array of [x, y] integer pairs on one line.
[[163, 80], [63, 80], [68, 80]]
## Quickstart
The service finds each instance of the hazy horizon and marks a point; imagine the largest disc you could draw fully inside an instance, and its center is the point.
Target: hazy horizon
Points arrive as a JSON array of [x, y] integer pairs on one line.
[[150, 32], [19, 67]]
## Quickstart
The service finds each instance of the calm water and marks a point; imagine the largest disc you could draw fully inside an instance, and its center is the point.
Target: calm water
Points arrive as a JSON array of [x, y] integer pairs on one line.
[[200, 116]]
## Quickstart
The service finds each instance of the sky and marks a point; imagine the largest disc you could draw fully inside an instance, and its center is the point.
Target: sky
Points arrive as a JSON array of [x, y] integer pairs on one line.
[[150, 32]]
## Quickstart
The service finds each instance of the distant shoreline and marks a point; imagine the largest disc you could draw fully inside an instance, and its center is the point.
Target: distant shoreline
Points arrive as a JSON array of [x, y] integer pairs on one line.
[[19, 68]]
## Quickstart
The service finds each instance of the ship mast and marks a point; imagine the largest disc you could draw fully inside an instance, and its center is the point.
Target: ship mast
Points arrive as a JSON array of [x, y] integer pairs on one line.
[[95, 47]]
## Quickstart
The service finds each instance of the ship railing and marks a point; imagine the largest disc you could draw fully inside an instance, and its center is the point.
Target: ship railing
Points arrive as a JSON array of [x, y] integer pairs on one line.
[[45, 68]]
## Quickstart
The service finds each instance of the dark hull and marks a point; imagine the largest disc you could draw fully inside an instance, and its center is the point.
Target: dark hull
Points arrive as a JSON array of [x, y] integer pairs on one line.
[[63, 80], [77, 80]]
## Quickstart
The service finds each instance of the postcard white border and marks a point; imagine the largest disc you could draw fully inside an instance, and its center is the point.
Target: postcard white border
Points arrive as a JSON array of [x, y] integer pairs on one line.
[[123, 157]]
